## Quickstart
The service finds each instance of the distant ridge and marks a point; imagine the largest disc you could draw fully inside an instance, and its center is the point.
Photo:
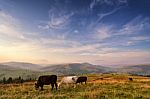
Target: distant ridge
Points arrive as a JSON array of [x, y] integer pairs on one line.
[[25, 69], [76, 68], [143, 69], [22, 65], [6, 67]]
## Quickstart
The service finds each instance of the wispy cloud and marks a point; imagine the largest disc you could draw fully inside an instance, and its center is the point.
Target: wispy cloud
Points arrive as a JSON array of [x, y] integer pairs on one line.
[[130, 33], [141, 38], [115, 6], [43, 27], [137, 39], [107, 2], [59, 18], [125, 57], [134, 26], [93, 4], [13, 44], [59, 21], [102, 32], [101, 2], [102, 15], [105, 8], [9, 27]]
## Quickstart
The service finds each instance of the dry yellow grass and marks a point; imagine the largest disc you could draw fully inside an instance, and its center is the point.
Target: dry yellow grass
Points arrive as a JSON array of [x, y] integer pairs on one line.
[[112, 86]]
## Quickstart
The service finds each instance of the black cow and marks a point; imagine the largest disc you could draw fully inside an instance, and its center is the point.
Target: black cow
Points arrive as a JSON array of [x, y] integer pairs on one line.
[[81, 79], [130, 79], [46, 80]]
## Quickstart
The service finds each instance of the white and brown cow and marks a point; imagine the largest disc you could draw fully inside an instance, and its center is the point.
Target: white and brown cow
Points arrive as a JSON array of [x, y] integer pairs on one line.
[[68, 80]]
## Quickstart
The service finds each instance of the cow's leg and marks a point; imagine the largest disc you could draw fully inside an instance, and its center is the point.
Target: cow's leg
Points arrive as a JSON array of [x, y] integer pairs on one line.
[[52, 86], [74, 85], [41, 87], [85, 82], [56, 85]]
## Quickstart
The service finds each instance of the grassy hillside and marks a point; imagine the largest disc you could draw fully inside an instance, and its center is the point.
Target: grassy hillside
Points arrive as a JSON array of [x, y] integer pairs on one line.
[[9, 71], [112, 86], [16, 73], [22, 65], [76, 68], [136, 69], [25, 74], [67, 69]]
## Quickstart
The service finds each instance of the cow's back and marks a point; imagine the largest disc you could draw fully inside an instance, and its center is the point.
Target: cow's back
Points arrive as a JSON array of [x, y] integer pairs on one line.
[[68, 79], [81, 79], [47, 79], [53, 79]]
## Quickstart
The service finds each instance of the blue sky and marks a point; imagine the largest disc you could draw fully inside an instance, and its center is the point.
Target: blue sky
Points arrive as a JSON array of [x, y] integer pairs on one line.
[[107, 32]]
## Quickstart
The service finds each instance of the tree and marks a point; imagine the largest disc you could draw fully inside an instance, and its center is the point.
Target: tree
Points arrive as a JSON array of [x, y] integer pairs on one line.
[[9, 80], [4, 80], [19, 78]]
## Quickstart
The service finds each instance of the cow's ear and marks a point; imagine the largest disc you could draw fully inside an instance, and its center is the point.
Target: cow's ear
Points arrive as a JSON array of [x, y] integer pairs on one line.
[[73, 78]]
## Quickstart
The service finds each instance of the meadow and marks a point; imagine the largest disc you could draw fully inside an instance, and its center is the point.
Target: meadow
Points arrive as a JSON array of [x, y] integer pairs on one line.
[[99, 86]]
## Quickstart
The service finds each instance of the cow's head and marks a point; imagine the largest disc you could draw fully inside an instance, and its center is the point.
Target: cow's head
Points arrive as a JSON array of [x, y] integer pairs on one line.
[[74, 78], [36, 86]]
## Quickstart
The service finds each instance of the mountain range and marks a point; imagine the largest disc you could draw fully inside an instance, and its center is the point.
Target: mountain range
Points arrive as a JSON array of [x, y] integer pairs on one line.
[[22, 65], [27, 69]]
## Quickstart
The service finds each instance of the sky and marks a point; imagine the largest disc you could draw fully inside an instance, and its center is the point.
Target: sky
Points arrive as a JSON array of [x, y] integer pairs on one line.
[[104, 32]]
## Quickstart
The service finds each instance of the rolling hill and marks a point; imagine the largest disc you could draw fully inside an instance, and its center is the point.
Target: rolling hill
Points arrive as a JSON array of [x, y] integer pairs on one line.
[[76, 68], [8, 71], [23, 65], [136, 69], [26, 70], [6, 67]]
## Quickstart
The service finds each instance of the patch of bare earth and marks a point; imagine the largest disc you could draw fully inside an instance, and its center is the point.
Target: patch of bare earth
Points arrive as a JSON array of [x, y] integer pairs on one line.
[[146, 86]]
